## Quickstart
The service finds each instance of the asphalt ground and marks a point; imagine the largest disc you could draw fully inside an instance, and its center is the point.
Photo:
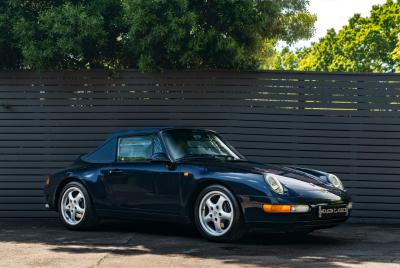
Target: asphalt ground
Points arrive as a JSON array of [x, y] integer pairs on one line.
[[46, 243]]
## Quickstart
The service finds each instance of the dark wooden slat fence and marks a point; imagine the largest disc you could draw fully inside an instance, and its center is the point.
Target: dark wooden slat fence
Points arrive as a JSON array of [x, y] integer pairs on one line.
[[348, 124]]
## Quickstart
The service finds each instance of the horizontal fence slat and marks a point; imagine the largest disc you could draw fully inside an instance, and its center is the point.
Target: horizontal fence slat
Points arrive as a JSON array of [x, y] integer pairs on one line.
[[22, 200], [21, 185], [21, 193], [69, 142], [195, 115], [19, 207], [376, 206], [319, 95], [374, 192], [245, 103], [28, 214], [377, 214], [254, 125], [184, 108], [376, 199], [233, 134]]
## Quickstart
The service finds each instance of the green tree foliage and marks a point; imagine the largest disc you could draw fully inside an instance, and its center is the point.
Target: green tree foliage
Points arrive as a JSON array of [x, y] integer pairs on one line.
[[287, 59], [9, 54], [369, 44], [226, 34], [147, 34], [159, 33], [396, 55], [69, 34]]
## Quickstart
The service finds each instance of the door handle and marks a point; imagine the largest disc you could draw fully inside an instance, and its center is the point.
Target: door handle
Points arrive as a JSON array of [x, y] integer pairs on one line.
[[116, 171]]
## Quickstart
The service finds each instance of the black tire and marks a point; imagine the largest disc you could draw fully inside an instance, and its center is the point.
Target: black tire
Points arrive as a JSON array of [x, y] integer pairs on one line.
[[237, 228], [90, 219]]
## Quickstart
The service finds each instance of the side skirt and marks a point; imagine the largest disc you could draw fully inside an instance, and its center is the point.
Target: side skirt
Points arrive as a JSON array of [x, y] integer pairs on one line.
[[141, 215]]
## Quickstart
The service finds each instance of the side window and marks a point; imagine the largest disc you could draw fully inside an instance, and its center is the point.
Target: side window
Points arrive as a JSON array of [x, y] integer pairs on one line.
[[157, 148], [134, 148]]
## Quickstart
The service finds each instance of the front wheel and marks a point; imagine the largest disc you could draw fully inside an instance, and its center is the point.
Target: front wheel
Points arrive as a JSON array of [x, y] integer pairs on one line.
[[75, 208], [218, 216]]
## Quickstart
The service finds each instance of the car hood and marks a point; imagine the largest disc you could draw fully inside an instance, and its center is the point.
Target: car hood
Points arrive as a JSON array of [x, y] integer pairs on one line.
[[295, 178]]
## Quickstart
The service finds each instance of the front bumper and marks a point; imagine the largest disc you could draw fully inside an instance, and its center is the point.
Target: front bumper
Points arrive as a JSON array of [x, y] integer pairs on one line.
[[292, 222], [295, 226], [255, 216]]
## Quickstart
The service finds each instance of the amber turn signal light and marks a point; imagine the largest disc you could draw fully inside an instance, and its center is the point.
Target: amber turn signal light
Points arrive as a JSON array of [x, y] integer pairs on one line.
[[47, 182], [268, 208]]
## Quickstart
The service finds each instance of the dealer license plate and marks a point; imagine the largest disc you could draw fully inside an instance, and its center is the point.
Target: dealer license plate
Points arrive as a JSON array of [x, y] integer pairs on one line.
[[332, 212]]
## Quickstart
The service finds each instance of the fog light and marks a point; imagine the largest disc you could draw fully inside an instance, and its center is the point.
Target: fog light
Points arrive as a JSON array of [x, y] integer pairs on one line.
[[300, 208], [269, 208]]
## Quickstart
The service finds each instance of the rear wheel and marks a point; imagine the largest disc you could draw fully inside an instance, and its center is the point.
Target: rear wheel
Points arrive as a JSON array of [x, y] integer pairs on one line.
[[218, 216], [75, 207]]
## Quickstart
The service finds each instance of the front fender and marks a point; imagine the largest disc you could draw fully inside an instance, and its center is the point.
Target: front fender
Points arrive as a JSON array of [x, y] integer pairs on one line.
[[249, 189]]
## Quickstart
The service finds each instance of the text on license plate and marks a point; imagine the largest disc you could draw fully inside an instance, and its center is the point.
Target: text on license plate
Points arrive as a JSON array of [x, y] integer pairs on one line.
[[332, 212]]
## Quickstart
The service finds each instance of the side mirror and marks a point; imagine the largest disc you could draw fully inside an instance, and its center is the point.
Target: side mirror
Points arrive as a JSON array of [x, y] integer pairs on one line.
[[160, 157]]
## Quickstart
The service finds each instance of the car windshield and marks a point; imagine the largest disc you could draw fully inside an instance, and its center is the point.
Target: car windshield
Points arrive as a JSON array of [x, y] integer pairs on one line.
[[196, 144]]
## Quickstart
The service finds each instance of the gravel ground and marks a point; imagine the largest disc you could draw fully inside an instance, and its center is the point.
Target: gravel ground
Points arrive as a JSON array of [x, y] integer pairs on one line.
[[45, 243]]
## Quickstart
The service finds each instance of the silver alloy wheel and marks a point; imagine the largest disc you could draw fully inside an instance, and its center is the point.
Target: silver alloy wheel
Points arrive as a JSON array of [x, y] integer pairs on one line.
[[216, 213], [73, 205]]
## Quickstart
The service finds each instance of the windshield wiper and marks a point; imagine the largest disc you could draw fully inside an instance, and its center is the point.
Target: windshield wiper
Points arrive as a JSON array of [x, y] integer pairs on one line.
[[225, 157], [210, 156], [191, 156]]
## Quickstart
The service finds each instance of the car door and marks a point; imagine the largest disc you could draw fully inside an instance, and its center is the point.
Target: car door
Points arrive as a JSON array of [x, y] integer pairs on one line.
[[168, 183], [136, 183]]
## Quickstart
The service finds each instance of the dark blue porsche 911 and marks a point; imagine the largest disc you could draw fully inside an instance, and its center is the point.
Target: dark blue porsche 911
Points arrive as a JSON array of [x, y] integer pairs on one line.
[[193, 176]]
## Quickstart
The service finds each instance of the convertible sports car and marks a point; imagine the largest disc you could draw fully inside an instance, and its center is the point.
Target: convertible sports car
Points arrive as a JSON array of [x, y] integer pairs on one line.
[[193, 176]]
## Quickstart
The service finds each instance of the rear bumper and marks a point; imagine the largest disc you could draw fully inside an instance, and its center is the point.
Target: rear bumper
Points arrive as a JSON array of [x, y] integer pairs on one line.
[[49, 193]]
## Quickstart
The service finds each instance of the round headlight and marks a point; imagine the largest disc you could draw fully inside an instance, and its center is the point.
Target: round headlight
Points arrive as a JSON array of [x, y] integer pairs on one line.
[[274, 183], [335, 181]]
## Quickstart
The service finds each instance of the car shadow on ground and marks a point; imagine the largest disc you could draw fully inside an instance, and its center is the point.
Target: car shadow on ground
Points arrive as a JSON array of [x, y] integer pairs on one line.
[[349, 244]]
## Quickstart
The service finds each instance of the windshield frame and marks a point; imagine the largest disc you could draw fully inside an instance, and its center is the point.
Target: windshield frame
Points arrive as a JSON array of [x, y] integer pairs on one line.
[[224, 141]]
